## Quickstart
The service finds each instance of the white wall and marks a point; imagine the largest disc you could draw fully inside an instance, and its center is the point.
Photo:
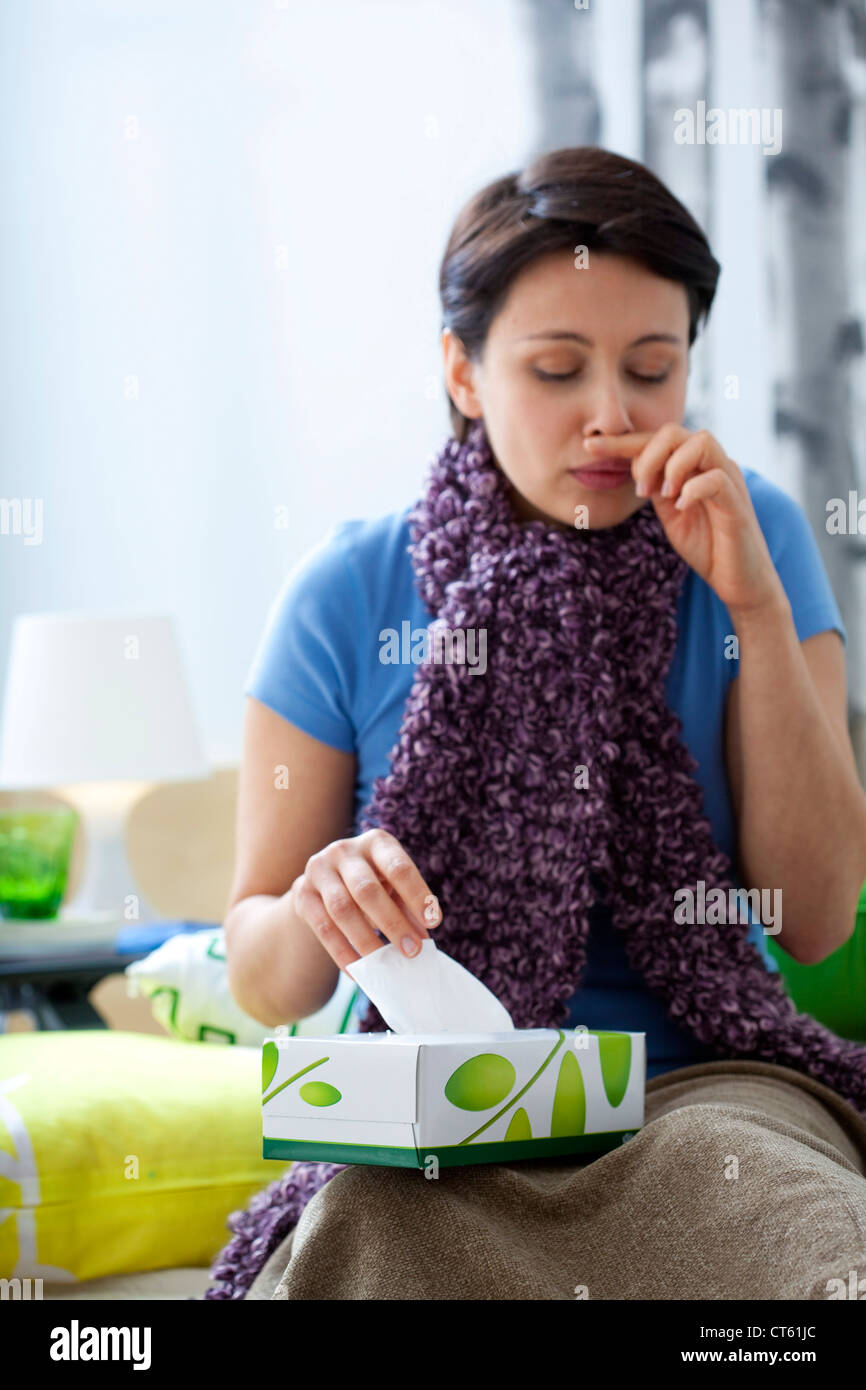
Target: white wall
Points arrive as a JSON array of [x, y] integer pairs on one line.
[[261, 257]]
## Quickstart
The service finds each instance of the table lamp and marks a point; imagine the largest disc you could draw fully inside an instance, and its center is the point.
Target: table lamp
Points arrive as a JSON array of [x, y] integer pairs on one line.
[[97, 709]]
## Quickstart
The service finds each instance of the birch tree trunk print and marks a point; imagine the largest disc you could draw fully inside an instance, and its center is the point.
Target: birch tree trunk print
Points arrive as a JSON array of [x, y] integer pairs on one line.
[[813, 68], [854, 66], [561, 39], [676, 75], [816, 340]]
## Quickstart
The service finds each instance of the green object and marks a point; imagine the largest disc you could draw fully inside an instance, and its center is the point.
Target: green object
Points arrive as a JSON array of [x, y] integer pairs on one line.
[[35, 847], [519, 1128], [481, 1082], [614, 1050], [270, 1058], [834, 990], [569, 1101], [447, 1155], [319, 1093]]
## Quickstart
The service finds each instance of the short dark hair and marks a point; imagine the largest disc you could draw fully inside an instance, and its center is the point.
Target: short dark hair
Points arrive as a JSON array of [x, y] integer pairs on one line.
[[581, 195]]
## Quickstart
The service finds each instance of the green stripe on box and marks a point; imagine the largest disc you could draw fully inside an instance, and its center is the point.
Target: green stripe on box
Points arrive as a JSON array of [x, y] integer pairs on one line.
[[379, 1154], [450, 1155], [504, 1152]]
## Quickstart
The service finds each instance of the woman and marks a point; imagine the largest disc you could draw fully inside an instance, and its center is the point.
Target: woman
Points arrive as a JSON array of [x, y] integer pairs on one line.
[[661, 717]]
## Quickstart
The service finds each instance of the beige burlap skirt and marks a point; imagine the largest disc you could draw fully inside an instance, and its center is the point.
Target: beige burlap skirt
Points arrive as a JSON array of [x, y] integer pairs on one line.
[[747, 1181]]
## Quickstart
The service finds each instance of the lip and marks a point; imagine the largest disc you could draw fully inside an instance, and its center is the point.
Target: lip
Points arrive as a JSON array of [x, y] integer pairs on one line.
[[604, 475], [609, 465]]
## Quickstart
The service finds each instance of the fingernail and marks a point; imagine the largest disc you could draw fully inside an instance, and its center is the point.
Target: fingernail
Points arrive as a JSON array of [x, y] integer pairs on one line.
[[410, 947], [667, 488], [432, 911], [640, 488]]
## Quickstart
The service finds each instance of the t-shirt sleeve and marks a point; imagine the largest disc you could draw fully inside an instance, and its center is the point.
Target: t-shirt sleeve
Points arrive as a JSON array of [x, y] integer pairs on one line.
[[305, 664], [795, 554]]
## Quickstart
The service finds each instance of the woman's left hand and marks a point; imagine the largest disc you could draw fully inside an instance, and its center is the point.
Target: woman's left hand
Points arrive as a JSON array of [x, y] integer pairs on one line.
[[703, 503]]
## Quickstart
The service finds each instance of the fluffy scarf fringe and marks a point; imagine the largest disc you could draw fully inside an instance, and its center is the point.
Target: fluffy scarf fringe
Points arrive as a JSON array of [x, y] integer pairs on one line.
[[485, 792]]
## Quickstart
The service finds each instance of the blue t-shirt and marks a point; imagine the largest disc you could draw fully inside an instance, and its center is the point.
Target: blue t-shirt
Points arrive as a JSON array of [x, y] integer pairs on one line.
[[318, 665]]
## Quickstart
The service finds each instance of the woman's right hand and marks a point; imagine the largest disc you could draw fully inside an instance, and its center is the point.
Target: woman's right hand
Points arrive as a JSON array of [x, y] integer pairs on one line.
[[353, 888]]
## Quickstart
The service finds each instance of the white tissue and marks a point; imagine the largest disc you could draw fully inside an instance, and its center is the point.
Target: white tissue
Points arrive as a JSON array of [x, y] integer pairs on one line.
[[428, 993]]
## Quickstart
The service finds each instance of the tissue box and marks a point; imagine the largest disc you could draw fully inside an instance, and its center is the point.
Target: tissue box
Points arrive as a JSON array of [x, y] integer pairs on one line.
[[402, 1100]]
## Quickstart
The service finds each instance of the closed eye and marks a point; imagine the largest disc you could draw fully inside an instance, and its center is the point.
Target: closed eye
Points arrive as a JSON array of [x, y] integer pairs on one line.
[[568, 376]]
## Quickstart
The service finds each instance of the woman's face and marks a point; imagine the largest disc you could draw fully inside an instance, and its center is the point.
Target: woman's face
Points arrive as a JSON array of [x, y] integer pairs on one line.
[[600, 350]]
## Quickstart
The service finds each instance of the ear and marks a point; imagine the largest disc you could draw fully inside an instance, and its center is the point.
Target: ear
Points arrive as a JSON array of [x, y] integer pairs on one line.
[[460, 376]]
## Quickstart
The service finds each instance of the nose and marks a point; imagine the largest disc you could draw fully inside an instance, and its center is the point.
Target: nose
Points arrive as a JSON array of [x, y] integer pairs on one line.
[[607, 414]]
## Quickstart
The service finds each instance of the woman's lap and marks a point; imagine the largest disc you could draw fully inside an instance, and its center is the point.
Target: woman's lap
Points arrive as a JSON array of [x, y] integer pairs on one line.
[[776, 1093], [747, 1181]]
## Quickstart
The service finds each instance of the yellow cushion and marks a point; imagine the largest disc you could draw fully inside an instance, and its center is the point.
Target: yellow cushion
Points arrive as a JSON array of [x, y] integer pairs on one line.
[[122, 1152]]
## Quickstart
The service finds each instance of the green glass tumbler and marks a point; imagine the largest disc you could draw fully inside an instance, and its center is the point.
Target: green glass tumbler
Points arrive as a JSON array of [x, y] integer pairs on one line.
[[35, 848]]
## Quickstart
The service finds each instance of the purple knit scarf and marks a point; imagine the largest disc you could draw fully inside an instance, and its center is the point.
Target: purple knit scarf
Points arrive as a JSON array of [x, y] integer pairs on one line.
[[486, 795]]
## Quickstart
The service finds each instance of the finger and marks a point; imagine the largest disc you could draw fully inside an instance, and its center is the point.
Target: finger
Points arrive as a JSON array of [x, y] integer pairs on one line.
[[715, 457], [310, 905], [698, 453], [619, 445], [387, 916], [648, 467], [713, 486], [404, 877]]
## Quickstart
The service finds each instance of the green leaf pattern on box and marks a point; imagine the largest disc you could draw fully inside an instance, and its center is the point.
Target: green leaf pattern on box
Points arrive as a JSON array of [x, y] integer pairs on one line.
[[485, 1080], [569, 1100]]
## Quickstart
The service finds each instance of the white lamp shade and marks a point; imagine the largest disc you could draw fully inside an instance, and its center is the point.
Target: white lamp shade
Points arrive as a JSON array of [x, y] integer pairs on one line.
[[94, 699]]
